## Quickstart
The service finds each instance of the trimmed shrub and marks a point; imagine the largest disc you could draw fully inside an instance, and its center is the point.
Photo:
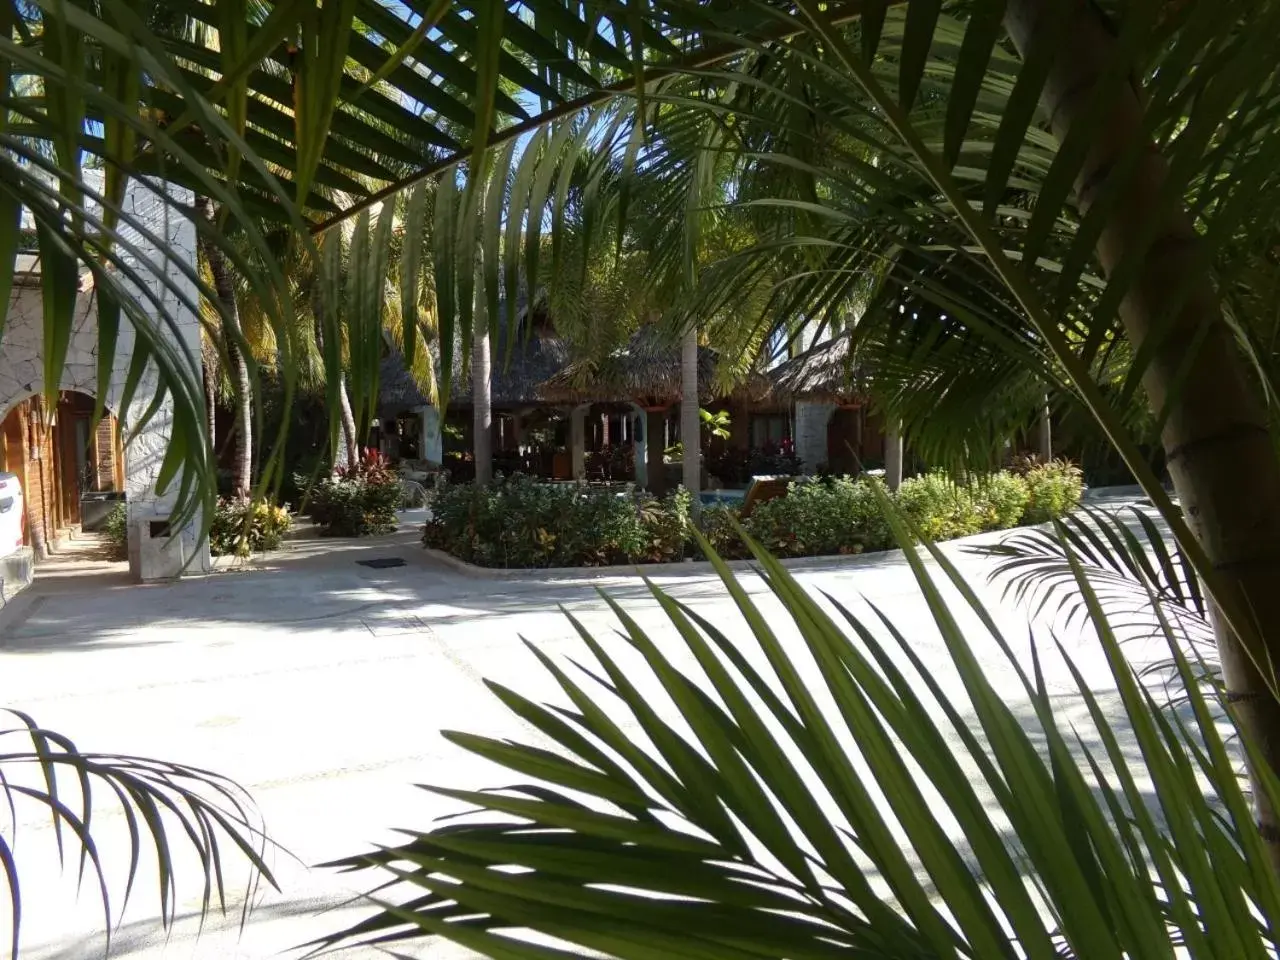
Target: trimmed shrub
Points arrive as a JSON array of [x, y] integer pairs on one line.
[[717, 525], [115, 530], [1000, 499], [358, 501], [1054, 489], [520, 522], [940, 507], [242, 527], [831, 515]]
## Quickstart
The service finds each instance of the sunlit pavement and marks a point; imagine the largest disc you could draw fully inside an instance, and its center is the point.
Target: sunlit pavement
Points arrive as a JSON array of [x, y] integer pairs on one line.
[[321, 685]]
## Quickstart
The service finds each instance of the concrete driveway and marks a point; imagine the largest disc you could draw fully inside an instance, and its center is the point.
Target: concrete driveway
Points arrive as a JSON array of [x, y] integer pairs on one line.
[[321, 684]]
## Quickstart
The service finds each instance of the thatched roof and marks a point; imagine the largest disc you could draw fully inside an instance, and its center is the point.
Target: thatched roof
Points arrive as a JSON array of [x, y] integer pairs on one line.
[[647, 371], [515, 380], [522, 360], [823, 372]]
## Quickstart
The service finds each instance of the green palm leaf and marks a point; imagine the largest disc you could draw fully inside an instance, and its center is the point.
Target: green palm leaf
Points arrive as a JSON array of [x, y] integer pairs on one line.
[[625, 850]]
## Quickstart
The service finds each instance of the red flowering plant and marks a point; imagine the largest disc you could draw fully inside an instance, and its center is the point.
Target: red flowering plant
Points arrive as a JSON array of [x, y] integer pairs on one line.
[[361, 499]]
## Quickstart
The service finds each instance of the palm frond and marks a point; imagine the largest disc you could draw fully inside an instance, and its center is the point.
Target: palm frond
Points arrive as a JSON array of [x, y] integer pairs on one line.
[[804, 797], [164, 806]]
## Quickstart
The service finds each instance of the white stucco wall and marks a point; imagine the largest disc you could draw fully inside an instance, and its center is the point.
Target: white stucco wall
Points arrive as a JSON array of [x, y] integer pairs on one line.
[[21, 348]]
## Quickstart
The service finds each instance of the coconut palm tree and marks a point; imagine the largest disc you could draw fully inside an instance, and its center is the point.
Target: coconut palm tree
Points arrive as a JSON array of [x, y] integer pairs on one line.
[[233, 344]]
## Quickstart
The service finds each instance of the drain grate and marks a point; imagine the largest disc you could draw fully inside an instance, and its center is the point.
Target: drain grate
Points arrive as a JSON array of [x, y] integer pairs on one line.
[[396, 626], [382, 563]]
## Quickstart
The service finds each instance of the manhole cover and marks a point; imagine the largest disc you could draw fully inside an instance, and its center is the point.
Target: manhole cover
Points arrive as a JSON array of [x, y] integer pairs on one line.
[[381, 563]]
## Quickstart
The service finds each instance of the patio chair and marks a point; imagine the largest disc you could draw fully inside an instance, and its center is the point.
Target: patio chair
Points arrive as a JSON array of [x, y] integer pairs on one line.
[[762, 490]]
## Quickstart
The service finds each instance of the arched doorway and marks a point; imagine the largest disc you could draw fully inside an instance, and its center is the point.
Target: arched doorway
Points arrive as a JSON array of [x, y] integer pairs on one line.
[[70, 469]]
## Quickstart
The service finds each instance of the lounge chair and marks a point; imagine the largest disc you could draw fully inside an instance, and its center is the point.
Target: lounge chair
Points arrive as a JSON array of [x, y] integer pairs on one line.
[[762, 490]]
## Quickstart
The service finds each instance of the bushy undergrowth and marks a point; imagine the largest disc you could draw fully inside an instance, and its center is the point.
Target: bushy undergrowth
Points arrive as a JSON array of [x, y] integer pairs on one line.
[[242, 527], [1053, 489], [524, 523], [115, 530]]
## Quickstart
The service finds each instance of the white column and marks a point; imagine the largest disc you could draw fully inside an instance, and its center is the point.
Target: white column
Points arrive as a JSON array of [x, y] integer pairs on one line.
[[811, 433], [432, 444], [690, 421], [639, 448], [578, 441]]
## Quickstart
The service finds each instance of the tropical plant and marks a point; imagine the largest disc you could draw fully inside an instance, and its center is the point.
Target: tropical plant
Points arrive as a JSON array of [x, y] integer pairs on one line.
[[1053, 488], [359, 499], [824, 791], [242, 527]]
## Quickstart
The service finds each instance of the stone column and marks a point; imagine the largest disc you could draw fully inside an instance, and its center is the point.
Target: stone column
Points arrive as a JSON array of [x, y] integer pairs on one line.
[[578, 441], [432, 444], [156, 204], [892, 456], [811, 433]]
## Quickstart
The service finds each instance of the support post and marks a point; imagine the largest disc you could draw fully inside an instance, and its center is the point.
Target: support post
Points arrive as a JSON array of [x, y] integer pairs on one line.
[[578, 441], [1044, 433], [893, 456], [639, 448], [432, 445]]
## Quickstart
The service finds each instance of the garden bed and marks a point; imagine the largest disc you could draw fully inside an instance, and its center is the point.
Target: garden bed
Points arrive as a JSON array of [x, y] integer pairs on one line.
[[520, 524]]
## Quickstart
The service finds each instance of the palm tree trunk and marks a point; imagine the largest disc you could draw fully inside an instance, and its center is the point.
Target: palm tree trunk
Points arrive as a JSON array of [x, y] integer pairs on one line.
[[350, 438], [690, 421], [210, 394], [242, 388], [1215, 434], [482, 405]]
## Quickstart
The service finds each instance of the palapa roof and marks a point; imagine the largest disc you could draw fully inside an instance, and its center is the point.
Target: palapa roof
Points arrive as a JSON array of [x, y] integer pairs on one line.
[[646, 371], [514, 381], [541, 370], [521, 360], [823, 372]]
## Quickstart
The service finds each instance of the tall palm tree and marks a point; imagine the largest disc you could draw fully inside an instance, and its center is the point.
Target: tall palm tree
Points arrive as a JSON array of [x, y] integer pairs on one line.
[[234, 344]]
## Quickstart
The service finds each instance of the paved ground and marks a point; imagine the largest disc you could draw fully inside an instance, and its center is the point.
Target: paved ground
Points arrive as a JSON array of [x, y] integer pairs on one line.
[[321, 685]]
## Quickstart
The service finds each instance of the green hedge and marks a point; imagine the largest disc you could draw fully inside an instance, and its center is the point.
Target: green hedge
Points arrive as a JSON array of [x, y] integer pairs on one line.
[[520, 522], [524, 523]]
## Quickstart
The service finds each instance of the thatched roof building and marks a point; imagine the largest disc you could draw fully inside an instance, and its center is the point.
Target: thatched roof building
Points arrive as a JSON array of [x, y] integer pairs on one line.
[[824, 373]]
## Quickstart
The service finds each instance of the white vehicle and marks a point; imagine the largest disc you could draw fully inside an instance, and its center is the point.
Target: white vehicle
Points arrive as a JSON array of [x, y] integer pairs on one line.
[[11, 514]]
